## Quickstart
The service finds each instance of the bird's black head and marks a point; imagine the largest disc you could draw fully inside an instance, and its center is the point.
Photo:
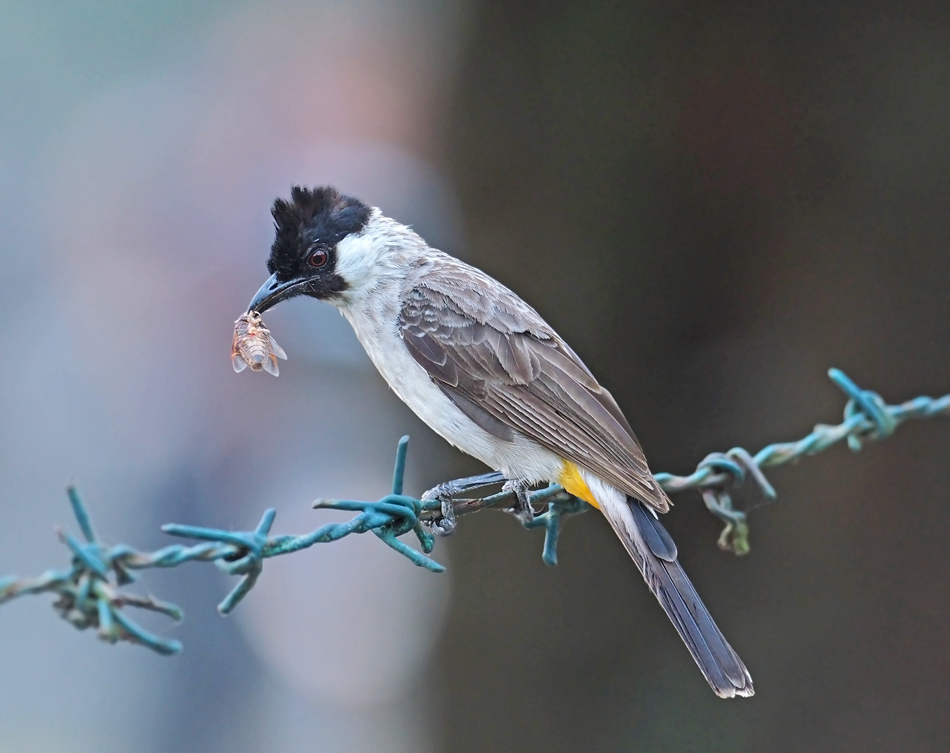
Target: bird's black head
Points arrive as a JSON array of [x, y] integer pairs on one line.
[[304, 255]]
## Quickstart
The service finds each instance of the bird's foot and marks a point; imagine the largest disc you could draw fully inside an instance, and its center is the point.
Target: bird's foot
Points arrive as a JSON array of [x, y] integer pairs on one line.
[[522, 508], [445, 523]]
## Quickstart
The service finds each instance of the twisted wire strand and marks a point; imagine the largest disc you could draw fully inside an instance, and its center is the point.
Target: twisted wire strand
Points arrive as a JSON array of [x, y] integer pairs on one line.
[[866, 418], [89, 593]]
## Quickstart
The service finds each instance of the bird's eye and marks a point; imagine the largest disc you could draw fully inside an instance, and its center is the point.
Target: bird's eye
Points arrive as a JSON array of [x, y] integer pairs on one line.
[[318, 258]]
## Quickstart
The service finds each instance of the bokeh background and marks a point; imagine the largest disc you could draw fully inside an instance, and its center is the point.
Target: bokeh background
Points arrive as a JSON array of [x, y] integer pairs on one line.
[[713, 203]]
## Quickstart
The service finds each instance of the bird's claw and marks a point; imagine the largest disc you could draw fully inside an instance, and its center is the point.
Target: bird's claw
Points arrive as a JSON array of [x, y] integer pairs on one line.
[[522, 508], [445, 523], [444, 494]]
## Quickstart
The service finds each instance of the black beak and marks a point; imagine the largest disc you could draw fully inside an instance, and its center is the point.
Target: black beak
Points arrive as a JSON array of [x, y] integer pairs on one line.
[[273, 292]]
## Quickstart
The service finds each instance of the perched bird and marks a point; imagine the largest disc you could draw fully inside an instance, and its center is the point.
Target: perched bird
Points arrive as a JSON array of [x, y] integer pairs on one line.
[[487, 373]]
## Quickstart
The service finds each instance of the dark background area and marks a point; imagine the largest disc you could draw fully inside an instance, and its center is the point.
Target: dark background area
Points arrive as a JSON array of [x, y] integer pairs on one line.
[[713, 203]]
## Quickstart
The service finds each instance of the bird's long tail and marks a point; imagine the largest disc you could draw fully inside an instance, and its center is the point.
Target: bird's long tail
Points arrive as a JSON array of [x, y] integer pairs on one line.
[[654, 552]]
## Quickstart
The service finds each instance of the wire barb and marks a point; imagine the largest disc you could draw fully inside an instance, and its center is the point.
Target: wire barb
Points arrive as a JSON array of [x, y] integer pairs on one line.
[[90, 595]]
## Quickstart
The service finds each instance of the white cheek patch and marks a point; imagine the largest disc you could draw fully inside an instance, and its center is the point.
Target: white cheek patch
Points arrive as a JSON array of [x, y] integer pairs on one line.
[[375, 257], [367, 258], [356, 259]]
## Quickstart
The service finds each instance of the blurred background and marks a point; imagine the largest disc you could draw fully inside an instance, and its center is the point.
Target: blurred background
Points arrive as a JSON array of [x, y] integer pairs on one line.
[[713, 203]]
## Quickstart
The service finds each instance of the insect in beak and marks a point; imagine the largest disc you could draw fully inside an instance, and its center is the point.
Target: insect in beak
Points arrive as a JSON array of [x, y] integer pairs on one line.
[[253, 346]]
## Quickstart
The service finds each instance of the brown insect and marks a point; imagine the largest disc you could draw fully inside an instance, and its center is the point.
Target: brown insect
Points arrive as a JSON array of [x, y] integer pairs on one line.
[[253, 345]]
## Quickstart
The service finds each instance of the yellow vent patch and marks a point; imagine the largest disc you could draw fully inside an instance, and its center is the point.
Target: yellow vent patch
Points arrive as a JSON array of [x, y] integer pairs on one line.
[[571, 480]]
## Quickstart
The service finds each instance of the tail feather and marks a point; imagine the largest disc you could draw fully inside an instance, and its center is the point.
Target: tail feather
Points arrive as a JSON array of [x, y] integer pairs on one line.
[[654, 553]]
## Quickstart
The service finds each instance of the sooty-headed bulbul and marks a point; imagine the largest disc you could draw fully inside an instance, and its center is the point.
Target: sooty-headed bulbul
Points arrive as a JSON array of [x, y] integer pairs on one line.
[[486, 372]]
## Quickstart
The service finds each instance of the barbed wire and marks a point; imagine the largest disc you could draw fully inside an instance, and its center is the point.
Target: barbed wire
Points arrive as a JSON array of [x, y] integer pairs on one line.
[[90, 591]]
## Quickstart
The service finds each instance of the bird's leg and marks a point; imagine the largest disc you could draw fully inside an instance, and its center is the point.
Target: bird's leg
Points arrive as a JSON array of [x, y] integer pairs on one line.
[[522, 509], [444, 492]]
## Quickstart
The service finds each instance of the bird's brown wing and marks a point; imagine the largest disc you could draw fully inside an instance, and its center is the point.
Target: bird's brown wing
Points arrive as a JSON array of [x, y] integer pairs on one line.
[[505, 368]]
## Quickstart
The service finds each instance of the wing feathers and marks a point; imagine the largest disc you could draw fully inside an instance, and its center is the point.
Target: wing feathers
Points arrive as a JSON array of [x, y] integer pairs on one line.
[[433, 358], [479, 415], [494, 356]]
